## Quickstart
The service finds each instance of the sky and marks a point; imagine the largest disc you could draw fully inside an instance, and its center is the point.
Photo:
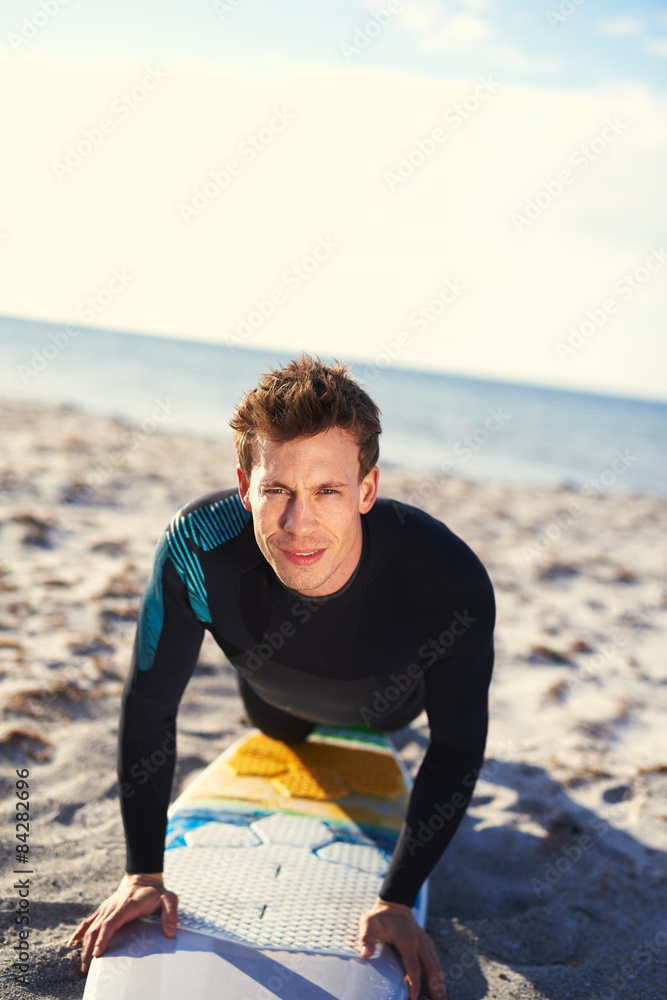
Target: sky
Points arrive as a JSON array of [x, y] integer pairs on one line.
[[468, 186]]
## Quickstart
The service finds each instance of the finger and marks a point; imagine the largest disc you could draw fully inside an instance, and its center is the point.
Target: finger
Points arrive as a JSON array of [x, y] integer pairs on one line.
[[89, 940], [413, 987], [96, 941], [123, 915], [431, 967], [78, 933], [108, 928], [437, 989], [367, 938], [169, 913], [436, 985], [411, 968]]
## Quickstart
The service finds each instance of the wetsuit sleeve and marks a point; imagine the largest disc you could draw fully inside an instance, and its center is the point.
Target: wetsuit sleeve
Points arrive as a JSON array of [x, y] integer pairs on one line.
[[166, 648], [456, 702]]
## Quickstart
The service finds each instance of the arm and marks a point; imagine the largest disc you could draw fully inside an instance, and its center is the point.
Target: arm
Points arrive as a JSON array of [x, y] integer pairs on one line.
[[165, 652], [147, 740], [456, 705], [456, 697]]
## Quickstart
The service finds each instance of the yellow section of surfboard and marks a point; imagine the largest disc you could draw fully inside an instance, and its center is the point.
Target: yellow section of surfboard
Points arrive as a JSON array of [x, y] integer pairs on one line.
[[340, 775]]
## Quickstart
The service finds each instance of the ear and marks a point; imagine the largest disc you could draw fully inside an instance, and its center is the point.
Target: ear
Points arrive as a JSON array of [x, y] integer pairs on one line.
[[244, 488], [368, 490]]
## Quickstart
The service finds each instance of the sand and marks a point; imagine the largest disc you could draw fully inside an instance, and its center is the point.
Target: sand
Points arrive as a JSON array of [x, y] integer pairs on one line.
[[555, 885]]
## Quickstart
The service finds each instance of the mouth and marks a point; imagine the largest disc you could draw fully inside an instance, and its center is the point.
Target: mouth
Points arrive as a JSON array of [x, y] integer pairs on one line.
[[307, 557]]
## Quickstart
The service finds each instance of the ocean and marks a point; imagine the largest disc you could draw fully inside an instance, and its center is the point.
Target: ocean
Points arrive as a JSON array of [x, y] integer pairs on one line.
[[475, 429]]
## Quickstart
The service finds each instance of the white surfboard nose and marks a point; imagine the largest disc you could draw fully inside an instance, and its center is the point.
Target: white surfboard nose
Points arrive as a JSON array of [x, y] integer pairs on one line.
[[142, 964]]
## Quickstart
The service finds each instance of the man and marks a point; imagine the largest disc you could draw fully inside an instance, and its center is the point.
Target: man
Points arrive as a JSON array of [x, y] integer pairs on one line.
[[391, 614]]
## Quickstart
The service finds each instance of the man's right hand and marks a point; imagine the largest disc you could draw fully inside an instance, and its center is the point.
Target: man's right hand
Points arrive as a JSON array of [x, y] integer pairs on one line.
[[136, 896]]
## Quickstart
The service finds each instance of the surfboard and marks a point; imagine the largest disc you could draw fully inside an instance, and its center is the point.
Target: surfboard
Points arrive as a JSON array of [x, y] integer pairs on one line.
[[275, 852]]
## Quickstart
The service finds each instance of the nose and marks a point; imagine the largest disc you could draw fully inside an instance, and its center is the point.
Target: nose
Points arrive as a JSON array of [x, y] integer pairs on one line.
[[299, 517]]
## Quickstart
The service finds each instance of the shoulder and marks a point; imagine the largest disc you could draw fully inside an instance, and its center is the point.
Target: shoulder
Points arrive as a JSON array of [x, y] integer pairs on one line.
[[416, 543], [409, 529], [209, 520]]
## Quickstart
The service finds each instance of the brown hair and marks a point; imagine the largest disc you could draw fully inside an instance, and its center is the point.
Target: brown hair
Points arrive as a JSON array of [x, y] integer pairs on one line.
[[301, 399]]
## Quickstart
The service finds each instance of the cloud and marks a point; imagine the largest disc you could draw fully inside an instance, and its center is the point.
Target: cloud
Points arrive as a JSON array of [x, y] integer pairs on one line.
[[418, 16], [507, 57], [460, 30], [656, 47], [620, 27], [477, 4], [468, 31]]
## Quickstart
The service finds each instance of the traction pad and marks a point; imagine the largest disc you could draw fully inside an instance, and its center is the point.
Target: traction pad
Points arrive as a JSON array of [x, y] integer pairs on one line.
[[283, 881]]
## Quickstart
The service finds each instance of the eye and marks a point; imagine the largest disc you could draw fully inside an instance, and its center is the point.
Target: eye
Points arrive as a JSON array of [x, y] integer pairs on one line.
[[329, 492]]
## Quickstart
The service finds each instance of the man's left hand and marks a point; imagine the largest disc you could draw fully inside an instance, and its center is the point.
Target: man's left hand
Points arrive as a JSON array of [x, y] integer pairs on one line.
[[395, 924]]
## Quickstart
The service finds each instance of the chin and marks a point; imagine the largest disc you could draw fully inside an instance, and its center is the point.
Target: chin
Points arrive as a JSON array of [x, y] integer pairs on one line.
[[301, 580], [302, 583]]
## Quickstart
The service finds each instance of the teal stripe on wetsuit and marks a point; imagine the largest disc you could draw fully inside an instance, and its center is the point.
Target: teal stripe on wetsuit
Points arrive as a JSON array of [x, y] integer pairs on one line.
[[207, 527]]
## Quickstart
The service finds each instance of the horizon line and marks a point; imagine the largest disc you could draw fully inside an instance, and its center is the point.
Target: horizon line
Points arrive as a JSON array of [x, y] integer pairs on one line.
[[358, 360]]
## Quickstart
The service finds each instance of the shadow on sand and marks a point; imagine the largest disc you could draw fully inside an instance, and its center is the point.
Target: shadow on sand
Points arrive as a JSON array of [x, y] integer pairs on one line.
[[535, 889]]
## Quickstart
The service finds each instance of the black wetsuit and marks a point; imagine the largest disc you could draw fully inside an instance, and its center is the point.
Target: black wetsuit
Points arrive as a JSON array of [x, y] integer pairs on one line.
[[412, 629]]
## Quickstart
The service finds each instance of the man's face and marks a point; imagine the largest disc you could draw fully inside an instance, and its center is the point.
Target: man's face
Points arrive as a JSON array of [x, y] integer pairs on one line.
[[306, 498]]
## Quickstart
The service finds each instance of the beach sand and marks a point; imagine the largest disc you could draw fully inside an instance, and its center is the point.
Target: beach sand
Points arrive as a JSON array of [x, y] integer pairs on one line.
[[555, 885]]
